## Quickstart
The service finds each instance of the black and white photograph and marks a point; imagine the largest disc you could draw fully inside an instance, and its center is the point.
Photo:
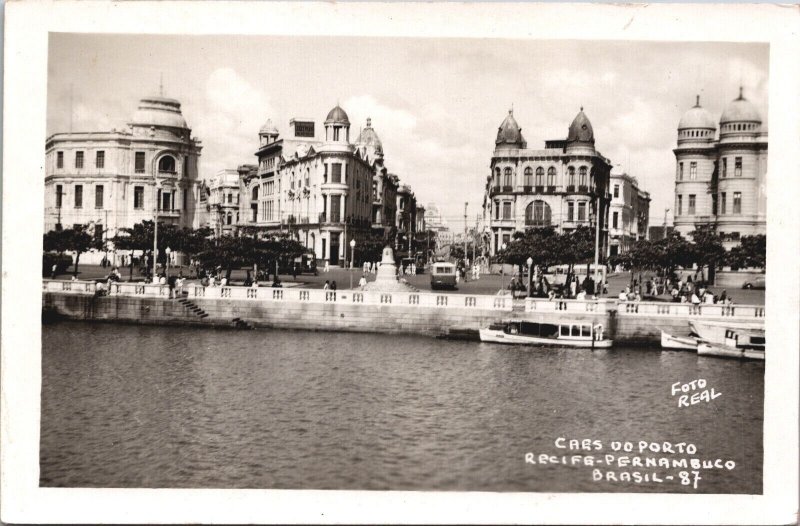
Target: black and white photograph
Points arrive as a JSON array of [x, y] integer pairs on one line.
[[450, 265]]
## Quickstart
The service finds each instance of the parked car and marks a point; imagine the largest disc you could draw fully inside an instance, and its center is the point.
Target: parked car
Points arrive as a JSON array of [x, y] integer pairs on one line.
[[760, 282]]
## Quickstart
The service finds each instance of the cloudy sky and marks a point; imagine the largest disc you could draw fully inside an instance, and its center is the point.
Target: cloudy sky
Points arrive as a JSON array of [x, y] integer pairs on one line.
[[435, 103]]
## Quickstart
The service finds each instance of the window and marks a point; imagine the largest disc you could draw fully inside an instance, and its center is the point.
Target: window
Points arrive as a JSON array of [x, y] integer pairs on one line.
[[540, 176], [507, 177], [616, 190], [184, 200], [551, 176], [98, 196], [496, 210], [506, 239], [59, 195], [582, 175], [229, 218], [59, 159], [679, 206], [581, 211], [528, 176], [680, 171], [78, 196], [186, 166], [723, 203], [78, 159], [138, 197], [692, 199], [506, 210], [335, 133], [737, 167], [692, 171], [100, 159], [98, 232], [571, 176], [336, 172], [254, 195], [139, 163], [724, 167], [166, 164], [537, 214], [497, 177], [615, 220], [336, 206], [737, 202], [570, 211]]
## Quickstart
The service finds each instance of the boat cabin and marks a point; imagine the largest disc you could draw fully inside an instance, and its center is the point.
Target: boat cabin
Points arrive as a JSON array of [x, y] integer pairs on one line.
[[561, 331]]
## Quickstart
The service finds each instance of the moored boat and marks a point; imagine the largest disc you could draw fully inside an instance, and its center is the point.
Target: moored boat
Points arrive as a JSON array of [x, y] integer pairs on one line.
[[747, 334], [568, 334], [713, 349], [669, 341]]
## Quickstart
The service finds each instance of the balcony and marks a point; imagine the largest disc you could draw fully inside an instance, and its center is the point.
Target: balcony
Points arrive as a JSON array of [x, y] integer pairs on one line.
[[507, 189], [527, 189], [168, 213], [583, 188], [494, 190], [570, 188], [551, 189], [539, 190], [532, 222]]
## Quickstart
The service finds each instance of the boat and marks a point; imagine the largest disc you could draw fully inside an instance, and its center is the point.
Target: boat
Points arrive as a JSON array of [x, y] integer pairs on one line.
[[713, 349], [750, 335], [567, 334], [669, 341]]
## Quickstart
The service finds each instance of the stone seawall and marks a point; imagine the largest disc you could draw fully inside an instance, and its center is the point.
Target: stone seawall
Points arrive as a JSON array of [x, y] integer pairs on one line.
[[625, 324]]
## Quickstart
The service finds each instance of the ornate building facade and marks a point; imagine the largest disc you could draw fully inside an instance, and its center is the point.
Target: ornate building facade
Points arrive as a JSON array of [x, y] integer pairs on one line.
[[222, 200], [564, 185], [314, 184], [629, 213], [720, 180], [114, 179]]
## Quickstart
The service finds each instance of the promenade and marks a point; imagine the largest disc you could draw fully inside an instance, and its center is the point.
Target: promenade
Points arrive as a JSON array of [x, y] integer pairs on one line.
[[487, 284]]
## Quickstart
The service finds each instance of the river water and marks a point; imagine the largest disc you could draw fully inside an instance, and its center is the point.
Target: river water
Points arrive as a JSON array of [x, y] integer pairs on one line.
[[142, 406]]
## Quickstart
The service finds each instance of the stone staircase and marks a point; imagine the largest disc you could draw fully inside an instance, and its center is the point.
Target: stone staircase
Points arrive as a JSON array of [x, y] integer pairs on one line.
[[190, 305]]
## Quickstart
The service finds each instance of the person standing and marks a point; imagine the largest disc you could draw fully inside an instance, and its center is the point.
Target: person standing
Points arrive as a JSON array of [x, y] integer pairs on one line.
[[362, 282], [333, 285], [326, 286]]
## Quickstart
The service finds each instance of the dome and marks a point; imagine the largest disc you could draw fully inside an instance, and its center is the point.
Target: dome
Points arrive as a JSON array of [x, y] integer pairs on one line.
[[337, 116], [159, 111], [268, 128], [369, 138], [740, 110], [509, 132], [697, 117], [581, 129]]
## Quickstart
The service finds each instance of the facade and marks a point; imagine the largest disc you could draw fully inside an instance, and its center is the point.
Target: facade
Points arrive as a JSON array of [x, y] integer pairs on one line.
[[114, 179], [313, 184], [720, 180], [384, 185], [436, 223], [629, 213], [406, 221], [222, 199], [564, 185]]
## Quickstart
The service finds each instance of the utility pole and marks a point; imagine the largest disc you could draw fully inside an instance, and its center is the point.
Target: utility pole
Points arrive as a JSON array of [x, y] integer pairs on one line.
[[465, 234], [155, 232]]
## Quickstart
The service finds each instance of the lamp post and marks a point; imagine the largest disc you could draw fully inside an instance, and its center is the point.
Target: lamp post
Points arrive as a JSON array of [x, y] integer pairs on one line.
[[168, 252], [530, 276], [352, 255], [503, 271]]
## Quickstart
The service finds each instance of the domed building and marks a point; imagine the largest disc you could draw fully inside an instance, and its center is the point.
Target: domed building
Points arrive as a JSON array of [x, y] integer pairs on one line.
[[563, 185], [319, 186], [115, 179], [720, 179]]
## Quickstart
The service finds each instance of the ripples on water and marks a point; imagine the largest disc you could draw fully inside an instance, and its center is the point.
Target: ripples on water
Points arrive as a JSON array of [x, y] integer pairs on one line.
[[139, 406]]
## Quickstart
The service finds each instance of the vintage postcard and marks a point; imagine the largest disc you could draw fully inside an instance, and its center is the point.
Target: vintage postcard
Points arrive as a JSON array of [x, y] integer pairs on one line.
[[400, 263]]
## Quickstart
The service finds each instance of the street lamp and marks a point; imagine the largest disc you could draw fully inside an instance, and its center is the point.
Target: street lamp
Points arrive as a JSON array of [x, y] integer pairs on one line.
[[352, 255], [168, 251], [530, 276], [503, 271]]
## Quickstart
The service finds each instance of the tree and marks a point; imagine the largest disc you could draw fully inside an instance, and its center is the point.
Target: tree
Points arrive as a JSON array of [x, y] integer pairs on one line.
[[751, 252], [707, 249]]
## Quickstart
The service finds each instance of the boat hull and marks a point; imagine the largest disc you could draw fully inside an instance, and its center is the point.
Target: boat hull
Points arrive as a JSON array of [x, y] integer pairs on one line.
[[714, 332], [495, 336], [686, 343], [726, 351]]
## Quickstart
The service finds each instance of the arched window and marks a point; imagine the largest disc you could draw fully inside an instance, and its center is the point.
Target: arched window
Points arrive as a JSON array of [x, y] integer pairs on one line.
[[551, 176], [582, 181], [497, 176], [307, 176], [255, 193], [528, 176], [537, 214], [230, 218], [507, 177], [540, 176], [571, 176], [166, 164]]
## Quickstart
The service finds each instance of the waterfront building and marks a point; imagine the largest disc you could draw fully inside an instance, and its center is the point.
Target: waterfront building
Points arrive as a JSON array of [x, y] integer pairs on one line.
[[311, 183], [406, 222], [222, 199], [384, 185], [563, 185], [114, 179], [720, 179], [629, 213]]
